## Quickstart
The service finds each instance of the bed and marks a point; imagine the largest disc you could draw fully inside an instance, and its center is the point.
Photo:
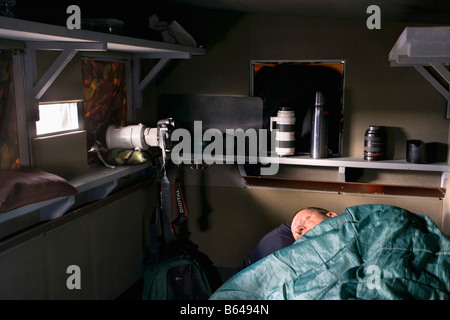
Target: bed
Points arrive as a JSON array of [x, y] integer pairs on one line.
[[367, 252]]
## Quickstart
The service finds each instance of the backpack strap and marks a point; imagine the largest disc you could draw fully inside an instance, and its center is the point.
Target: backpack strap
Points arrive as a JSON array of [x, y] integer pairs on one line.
[[152, 256]]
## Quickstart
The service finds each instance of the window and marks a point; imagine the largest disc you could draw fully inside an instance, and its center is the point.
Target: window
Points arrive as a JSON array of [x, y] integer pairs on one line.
[[293, 84], [58, 117]]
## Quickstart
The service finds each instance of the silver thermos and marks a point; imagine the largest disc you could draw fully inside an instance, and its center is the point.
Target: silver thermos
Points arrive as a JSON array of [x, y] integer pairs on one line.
[[319, 130]]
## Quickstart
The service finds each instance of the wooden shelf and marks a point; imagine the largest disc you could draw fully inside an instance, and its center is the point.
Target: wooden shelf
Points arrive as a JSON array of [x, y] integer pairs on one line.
[[23, 30], [421, 45], [350, 162], [96, 182], [342, 163]]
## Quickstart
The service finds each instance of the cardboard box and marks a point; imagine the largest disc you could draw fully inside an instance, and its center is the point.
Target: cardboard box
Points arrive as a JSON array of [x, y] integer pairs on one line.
[[63, 154]]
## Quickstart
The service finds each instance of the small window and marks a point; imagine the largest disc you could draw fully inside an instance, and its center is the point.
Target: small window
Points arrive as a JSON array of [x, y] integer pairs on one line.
[[58, 117], [294, 84]]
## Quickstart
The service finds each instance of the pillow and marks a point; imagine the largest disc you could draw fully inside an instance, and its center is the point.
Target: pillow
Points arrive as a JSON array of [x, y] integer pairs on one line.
[[29, 185]]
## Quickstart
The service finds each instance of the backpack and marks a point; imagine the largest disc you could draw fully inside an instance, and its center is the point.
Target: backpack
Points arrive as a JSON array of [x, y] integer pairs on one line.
[[179, 278]]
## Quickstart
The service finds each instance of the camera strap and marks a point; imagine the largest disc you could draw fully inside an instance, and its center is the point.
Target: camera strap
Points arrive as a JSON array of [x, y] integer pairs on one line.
[[182, 213], [159, 233], [165, 207], [168, 231]]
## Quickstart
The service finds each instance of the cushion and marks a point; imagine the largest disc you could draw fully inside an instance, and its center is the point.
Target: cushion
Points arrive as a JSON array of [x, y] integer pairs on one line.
[[28, 185]]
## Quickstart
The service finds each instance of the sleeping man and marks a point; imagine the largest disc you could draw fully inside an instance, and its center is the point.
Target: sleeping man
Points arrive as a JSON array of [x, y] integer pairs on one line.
[[286, 234], [369, 252]]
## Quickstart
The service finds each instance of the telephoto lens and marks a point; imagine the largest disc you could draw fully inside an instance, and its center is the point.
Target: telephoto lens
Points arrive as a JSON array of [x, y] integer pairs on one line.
[[285, 135]]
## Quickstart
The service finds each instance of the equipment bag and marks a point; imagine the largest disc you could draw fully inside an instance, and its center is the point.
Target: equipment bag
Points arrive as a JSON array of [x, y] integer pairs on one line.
[[179, 278]]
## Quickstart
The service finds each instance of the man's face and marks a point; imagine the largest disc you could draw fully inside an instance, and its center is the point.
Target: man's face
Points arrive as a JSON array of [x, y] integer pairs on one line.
[[305, 220]]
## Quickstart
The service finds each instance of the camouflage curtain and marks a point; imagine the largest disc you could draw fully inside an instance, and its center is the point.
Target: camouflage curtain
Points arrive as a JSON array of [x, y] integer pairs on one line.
[[9, 141], [104, 90]]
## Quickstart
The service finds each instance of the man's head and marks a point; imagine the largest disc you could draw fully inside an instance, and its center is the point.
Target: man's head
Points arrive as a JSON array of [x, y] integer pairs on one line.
[[307, 218]]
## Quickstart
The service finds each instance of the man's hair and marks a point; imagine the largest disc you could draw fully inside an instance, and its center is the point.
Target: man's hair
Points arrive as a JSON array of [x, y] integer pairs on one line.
[[322, 211]]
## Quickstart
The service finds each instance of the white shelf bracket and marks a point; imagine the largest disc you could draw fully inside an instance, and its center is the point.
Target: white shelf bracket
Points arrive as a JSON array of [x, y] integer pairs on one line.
[[426, 49], [444, 179], [69, 50], [53, 72], [140, 84], [445, 74], [341, 174]]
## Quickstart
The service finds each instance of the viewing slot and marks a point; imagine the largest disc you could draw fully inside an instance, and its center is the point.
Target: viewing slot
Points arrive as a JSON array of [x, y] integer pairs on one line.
[[294, 85]]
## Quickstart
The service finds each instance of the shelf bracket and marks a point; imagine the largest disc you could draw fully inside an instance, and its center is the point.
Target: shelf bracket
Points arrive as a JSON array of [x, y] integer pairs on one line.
[[140, 84], [101, 191], [57, 209], [69, 50], [341, 174], [35, 88], [444, 179], [442, 85]]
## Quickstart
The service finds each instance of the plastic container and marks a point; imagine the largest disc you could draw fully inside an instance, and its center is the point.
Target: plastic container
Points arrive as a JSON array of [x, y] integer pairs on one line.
[[418, 151], [103, 25]]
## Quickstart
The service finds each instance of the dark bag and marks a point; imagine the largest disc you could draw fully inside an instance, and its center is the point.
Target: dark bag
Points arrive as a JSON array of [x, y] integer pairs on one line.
[[179, 278]]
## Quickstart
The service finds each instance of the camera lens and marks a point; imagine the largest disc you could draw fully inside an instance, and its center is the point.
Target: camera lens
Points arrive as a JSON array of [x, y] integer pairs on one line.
[[285, 136]]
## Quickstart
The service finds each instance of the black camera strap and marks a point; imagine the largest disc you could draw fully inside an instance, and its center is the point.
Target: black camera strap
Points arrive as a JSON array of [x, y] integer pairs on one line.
[[182, 213], [168, 231], [163, 208]]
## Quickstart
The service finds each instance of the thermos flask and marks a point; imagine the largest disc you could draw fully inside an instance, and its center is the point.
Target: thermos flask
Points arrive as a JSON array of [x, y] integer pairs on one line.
[[319, 128]]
